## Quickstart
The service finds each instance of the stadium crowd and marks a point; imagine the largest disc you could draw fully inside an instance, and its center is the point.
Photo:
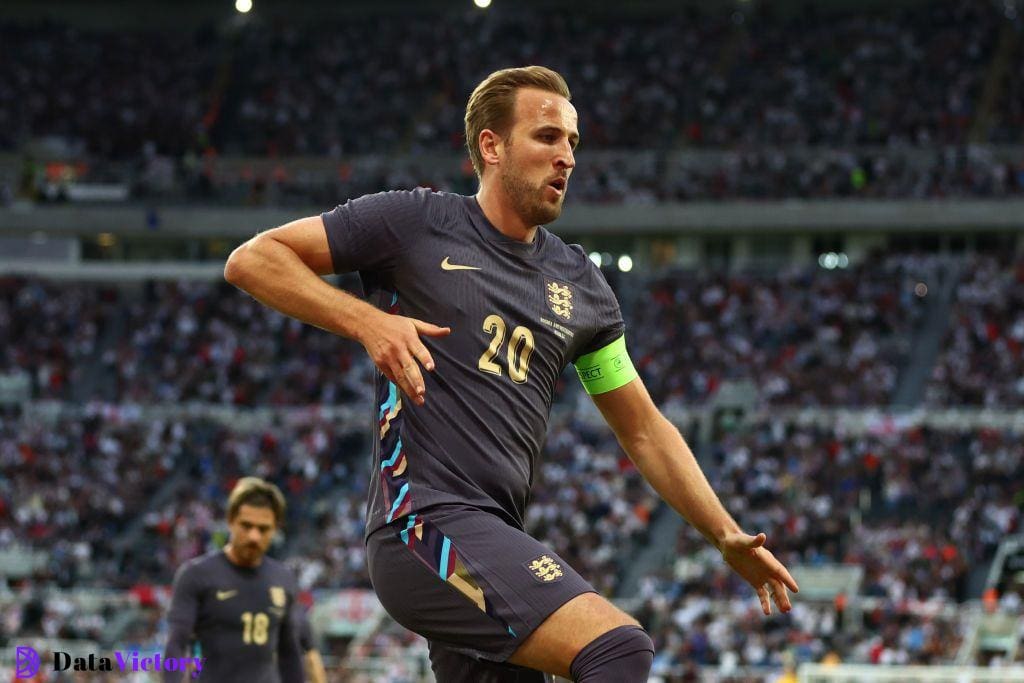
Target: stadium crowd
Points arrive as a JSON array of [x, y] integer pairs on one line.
[[589, 504], [917, 509], [162, 107], [822, 498], [612, 178], [747, 103], [693, 631], [214, 344], [982, 362], [801, 338], [86, 475], [50, 333], [805, 336], [72, 485]]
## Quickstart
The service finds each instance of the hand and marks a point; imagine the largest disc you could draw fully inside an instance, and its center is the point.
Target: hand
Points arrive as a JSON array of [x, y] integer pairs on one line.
[[393, 342], [747, 555]]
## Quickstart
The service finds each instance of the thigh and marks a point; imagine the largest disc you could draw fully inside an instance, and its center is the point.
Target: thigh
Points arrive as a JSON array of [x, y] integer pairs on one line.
[[466, 580], [555, 643]]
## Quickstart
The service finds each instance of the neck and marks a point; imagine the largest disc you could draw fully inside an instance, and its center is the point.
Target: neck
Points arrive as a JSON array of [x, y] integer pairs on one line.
[[502, 216], [229, 550]]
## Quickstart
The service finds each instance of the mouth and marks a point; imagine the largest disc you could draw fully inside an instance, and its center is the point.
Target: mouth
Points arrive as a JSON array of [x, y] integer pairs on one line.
[[558, 185]]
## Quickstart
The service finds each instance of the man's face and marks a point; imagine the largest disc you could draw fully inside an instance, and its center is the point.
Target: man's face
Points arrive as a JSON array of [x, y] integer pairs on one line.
[[539, 155], [252, 530]]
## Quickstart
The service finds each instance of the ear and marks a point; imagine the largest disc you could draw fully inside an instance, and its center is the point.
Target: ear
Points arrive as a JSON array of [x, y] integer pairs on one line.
[[491, 146]]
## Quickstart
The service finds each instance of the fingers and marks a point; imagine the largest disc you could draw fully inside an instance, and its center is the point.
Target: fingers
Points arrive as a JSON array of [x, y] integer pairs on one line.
[[398, 352], [787, 578], [765, 597], [780, 573], [777, 569], [419, 351], [777, 581], [773, 590], [410, 379], [429, 329], [777, 591]]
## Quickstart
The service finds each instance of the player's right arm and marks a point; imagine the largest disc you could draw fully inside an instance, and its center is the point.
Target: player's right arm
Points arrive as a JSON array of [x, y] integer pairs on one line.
[[181, 618], [281, 268]]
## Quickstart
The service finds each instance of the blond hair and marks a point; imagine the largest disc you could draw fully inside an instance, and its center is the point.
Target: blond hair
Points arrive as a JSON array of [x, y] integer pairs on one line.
[[258, 493], [492, 104]]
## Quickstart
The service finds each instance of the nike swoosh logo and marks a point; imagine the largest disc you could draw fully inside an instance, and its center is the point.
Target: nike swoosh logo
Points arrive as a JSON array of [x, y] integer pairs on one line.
[[224, 595], [451, 266]]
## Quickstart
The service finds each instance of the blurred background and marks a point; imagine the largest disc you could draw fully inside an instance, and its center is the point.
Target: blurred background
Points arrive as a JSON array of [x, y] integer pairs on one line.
[[811, 213]]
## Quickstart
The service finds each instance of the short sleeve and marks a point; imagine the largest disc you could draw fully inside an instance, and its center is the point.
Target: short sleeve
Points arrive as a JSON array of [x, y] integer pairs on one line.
[[184, 598], [371, 232], [608, 323]]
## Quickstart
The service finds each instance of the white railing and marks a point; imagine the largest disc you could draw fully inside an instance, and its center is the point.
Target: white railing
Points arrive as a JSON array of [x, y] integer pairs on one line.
[[866, 673]]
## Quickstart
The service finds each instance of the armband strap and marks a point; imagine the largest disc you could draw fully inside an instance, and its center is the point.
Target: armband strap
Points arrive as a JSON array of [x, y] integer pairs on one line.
[[606, 369]]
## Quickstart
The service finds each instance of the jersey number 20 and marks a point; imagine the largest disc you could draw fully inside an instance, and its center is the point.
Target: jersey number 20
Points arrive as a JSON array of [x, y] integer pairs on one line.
[[520, 348]]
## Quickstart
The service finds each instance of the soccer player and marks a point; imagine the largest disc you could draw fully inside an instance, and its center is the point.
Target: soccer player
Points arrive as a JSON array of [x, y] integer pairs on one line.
[[473, 309], [236, 602]]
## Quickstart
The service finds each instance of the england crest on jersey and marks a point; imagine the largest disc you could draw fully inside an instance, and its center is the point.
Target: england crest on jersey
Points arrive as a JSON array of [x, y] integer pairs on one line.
[[277, 596], [559, 297]]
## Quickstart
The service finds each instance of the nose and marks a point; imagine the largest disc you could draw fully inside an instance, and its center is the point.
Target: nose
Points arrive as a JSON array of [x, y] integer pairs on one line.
[[565, 158]]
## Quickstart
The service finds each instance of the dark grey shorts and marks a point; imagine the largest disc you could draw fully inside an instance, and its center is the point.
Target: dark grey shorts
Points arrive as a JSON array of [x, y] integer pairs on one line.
[[472, 585]]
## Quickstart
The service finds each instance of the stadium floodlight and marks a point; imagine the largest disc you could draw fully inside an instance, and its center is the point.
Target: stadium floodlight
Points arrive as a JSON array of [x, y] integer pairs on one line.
[[482, 4], [625, 263], [596, 258], [243, 6], [833, 260]]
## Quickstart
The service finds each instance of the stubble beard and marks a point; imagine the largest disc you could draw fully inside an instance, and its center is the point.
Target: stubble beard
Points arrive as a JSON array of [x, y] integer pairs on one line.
[[528, 201]]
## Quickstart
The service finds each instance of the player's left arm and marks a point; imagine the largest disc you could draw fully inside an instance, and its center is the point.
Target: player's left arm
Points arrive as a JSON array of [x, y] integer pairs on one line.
[[660, 453], [289, 653], [314, 662], [315, 667]]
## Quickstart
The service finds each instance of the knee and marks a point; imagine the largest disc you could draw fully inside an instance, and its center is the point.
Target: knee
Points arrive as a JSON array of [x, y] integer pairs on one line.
[[623, 655]]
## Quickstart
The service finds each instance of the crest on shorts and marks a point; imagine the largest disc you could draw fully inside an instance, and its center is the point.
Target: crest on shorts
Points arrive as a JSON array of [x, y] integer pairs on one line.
[[278, 596], [559, 299], [545, 570]]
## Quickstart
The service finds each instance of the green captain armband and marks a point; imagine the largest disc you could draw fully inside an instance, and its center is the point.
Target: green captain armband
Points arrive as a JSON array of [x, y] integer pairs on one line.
[[606, 369]]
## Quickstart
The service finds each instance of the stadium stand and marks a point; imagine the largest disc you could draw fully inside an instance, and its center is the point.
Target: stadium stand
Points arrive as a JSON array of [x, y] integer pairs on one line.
[[981, 363], [802, 117], [866, 415]]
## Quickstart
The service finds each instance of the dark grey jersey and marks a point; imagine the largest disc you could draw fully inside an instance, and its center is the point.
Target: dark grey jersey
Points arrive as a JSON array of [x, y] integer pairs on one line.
[[519, 313], [241, 617]]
